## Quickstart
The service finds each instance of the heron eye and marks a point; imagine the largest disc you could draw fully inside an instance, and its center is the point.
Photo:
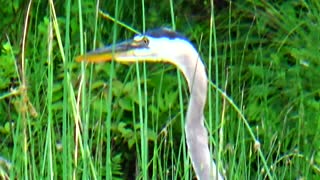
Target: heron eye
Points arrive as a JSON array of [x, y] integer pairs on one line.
[[145, 41]]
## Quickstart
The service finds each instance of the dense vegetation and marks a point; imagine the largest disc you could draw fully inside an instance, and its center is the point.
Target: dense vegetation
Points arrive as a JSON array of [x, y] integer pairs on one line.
[[62, 119]]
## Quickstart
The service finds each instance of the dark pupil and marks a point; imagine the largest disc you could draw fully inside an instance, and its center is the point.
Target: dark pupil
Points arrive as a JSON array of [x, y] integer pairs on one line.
[[145, 40]]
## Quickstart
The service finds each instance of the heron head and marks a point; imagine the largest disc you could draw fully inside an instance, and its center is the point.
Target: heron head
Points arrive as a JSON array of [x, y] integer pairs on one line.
[[161, 45]]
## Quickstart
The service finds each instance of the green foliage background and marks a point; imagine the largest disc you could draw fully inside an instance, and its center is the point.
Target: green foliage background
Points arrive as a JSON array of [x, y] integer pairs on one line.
[[268, 61]]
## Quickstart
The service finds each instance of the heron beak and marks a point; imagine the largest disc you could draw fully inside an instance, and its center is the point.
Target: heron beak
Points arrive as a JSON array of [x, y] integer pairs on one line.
[[128, 51]]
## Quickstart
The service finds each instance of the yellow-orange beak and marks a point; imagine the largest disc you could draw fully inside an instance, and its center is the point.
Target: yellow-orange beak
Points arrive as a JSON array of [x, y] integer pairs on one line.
[[124, 52]]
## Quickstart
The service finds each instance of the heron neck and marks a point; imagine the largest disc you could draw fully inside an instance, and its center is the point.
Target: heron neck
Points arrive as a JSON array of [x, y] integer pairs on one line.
[[196, 133], [198, 90], [196, 77]]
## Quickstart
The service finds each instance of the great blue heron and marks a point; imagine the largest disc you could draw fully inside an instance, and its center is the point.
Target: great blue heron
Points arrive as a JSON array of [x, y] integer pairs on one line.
[[164, 45]]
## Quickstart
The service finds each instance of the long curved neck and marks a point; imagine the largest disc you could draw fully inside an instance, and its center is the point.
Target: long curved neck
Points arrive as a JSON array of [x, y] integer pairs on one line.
[[196, 133]]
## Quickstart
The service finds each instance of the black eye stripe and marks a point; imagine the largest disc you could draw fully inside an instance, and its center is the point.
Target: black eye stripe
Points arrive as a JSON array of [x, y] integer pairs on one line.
[[164, 32]]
